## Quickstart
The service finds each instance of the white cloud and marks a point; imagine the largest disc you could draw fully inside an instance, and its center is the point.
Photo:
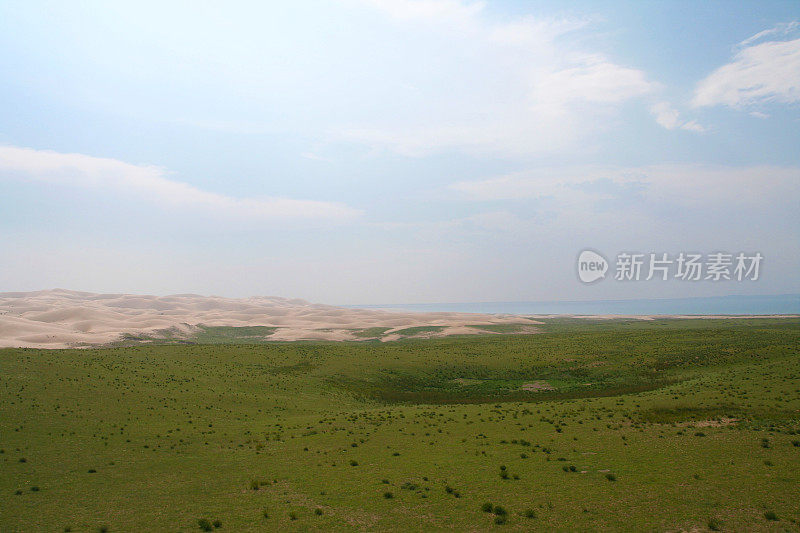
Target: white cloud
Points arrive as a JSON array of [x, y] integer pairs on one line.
[[428, 10], [151, 183], [685, 185], [519, 87], [668, 117], [767, 72]]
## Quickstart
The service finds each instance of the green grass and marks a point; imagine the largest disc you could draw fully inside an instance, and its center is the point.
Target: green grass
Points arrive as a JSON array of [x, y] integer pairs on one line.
[[411, 435]]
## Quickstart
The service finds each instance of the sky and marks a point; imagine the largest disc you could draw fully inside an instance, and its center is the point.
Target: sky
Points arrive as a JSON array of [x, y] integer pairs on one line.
[[408, 151]]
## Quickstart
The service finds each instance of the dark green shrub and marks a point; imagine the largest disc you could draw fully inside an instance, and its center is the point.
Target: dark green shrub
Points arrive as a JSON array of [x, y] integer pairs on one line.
[[714, 525], [500, 520], [486, 507], [529, 513], [217, 523], [293, 516], [353, 462], [770, 515], [205, 524], [499, 510], [611, 477], [388, 495]]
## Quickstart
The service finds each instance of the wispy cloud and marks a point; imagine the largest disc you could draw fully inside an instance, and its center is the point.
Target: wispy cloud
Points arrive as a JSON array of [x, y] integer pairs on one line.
[[152, 183], [688, 185], [668, 117], [759, 73], [538, 89]]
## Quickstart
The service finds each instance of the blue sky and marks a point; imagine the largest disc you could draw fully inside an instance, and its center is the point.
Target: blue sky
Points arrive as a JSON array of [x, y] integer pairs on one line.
[[371, 151]]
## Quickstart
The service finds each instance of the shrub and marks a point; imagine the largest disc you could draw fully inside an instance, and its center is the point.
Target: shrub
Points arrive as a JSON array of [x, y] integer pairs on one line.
[[699, 434], [500, 520], [388, 495], [499, 510], [318, 511], [254, 484], [353, 462], [92, 471], [714, 525], [796, 443], [765, 443], [529, 513], [205, 524], [265, 513], [217, 523], [293, 516], [770, 515], [103, 529], [486, 507], [611, 477], [35, 488], [504, 474]]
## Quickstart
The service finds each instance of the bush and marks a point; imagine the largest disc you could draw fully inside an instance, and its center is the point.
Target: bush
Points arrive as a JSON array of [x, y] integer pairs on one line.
[[486, 507], [265, 513], [611, 477], [292, 516], [217, 523], [499, 510], [388, 495], [500, 520], [504, 474], [770, 515], [529, 513], [448, 489], [714, 525], [254, 484], [318, 511], [205, 524], [353, 462]]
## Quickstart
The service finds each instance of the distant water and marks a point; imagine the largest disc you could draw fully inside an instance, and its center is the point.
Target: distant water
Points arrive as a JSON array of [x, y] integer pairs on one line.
[[716, 305]]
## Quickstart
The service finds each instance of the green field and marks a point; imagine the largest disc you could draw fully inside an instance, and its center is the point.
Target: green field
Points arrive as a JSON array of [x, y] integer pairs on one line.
[[662, 425]]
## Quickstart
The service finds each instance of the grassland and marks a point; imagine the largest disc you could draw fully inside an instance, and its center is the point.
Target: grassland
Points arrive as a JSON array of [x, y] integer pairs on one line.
[[590, 425]]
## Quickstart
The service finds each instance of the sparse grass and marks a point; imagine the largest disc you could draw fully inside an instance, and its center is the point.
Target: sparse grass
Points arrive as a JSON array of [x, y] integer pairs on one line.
[[178, 431]]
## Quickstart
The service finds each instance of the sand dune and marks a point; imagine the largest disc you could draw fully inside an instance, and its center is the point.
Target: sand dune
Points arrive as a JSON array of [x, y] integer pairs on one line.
[[61, 318]]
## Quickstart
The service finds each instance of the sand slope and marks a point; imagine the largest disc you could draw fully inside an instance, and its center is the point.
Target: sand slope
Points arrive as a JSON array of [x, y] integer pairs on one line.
[[61, 318]]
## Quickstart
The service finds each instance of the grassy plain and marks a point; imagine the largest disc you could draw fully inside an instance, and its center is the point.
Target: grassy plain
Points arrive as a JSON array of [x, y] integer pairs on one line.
[[662, 425]]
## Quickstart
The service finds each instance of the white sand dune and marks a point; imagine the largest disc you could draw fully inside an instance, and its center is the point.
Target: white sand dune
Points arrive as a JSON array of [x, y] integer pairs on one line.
[[61, 318]]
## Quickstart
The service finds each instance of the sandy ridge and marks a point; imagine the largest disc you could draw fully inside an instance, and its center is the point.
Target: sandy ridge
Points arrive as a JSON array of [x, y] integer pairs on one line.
[[61, 318]]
